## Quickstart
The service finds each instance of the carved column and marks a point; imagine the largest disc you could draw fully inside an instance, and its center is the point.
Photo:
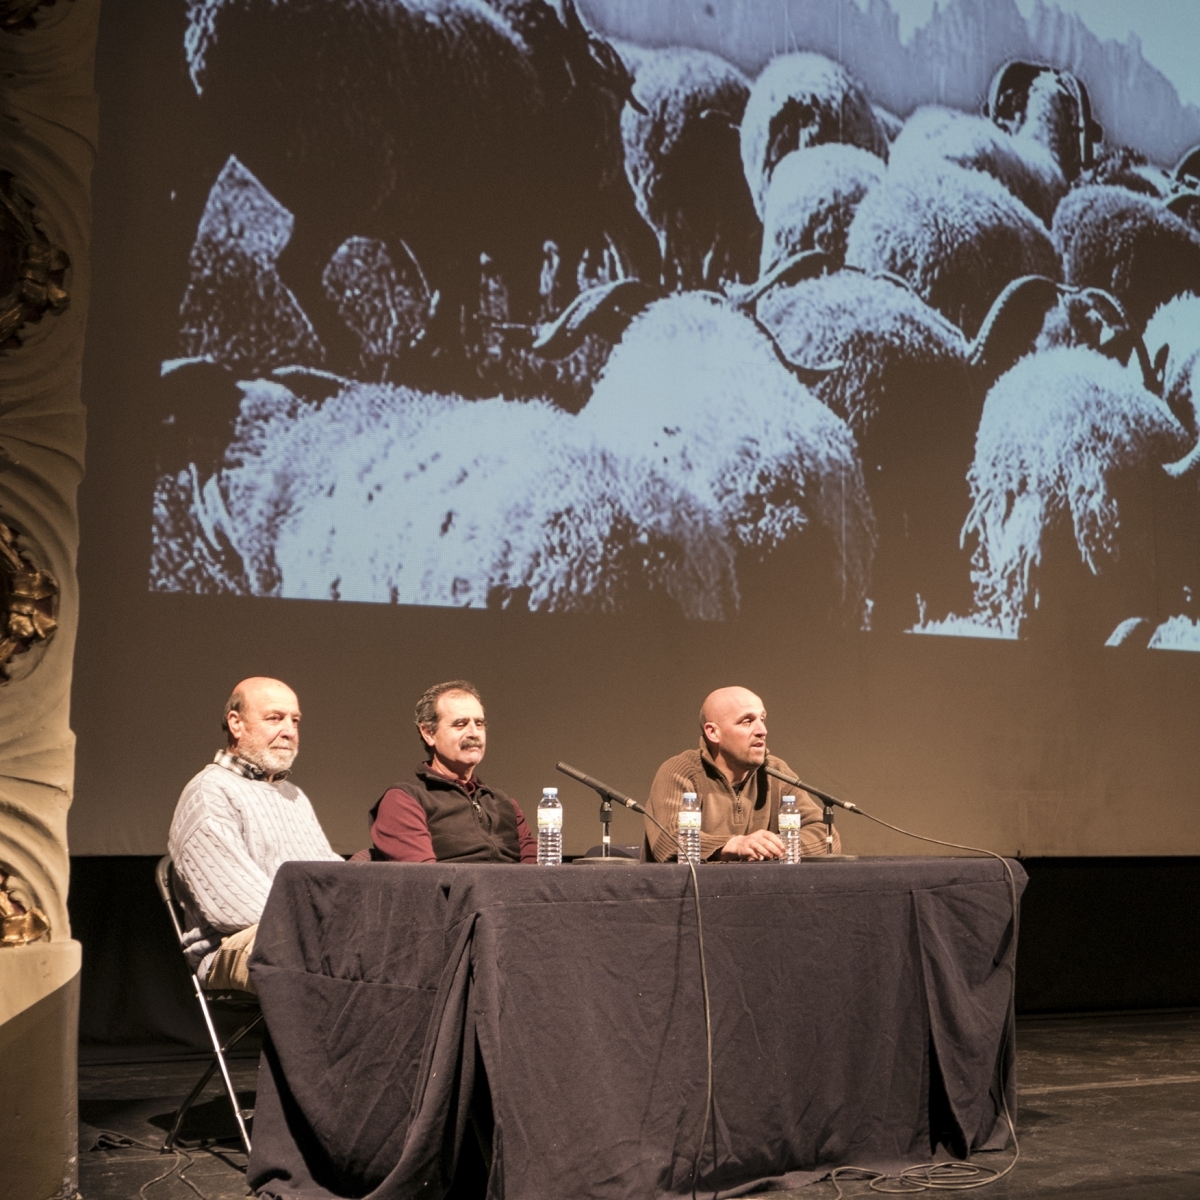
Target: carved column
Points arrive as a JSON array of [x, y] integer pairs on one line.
[[48, 117]]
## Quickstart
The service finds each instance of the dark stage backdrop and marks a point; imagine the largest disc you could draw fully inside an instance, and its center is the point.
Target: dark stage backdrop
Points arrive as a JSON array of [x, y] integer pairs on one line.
[[608, 354]]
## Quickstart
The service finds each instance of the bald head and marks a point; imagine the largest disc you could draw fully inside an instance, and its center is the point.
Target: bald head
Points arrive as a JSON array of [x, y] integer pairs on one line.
[[724, 700], [262, 720], [734, 724]]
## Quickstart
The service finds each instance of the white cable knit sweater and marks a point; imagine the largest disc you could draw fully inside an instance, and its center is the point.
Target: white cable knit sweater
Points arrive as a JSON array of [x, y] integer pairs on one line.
[[230, 835]]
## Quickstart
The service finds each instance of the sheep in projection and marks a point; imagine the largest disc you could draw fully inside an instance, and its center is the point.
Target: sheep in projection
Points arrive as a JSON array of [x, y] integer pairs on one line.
[[1178, 187], [1085, 513], [1187, 169], [457, 127], [1182, 195], [236, 310], [1172, 341], [811, 200], [699, 390], [959, 237], [801, 100], [683, 159], [206, 414], [197, 545], [1024, 165], [385, 494], [888, 122], [386, 305], [911, 388], [1049, 107], [1129, 244], [1123, 166]]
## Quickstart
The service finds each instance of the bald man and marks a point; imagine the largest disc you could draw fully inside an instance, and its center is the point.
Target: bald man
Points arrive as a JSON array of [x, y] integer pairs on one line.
[[236, 822], [739, 801]]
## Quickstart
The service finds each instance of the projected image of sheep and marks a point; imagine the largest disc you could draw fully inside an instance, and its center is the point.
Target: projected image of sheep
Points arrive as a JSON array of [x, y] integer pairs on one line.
[[521, 304]]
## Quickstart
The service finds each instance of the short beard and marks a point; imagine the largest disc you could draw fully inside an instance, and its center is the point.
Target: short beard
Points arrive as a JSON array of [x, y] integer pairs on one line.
[[270, 761], [751, 764]]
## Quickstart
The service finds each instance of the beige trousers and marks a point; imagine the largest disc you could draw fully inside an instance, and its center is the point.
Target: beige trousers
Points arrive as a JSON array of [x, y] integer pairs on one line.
[[229, 970]]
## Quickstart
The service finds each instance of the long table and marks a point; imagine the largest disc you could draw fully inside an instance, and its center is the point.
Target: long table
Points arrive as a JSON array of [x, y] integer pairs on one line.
[[861, 1012]]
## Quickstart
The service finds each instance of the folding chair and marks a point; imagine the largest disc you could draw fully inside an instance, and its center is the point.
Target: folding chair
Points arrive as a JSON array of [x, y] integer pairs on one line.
[[244, 1004]]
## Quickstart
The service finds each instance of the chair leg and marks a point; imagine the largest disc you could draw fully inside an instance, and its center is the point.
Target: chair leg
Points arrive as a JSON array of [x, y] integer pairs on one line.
[[219, 1050], [241, 1033], [183, 1108], [202, 1083]]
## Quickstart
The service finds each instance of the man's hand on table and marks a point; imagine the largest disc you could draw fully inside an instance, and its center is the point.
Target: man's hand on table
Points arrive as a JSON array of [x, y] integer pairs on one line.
[[752, 847]]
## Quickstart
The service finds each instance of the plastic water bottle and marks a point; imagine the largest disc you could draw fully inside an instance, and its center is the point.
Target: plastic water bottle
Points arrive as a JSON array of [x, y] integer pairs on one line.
[[789, 829], [689, 828], [549, 829]]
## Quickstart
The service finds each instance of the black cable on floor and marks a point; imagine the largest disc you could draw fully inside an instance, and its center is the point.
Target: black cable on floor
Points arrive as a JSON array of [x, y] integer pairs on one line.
[[122, 1141], [709, 1100], [949, 1176]]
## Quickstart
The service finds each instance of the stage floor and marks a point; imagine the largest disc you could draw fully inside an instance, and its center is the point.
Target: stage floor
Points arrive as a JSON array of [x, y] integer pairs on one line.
[[1108, 1107]]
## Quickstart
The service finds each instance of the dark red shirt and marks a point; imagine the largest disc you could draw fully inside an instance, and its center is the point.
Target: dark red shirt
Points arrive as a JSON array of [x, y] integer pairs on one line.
[[400, 829]]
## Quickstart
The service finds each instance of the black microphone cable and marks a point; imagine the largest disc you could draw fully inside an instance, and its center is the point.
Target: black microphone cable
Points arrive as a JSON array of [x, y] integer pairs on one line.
[[955, 1176], [709, 1114], [948, 1176]]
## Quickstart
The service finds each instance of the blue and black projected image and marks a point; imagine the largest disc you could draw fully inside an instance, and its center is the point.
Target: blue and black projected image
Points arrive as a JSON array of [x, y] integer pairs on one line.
[[592, 305]]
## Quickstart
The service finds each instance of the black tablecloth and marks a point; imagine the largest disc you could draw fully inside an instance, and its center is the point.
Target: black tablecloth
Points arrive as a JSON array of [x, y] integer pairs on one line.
[[861, 1012]]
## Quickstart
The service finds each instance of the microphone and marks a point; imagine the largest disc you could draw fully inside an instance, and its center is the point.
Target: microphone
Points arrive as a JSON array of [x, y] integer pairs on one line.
[[820, 795], [603, 788]]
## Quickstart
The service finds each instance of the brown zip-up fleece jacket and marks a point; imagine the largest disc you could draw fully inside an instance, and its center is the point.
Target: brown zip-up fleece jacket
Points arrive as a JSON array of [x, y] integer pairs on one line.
[[725, 813]]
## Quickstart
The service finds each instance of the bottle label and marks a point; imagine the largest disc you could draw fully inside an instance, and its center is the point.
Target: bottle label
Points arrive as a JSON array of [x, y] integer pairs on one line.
[[549, 818], [788, 821], [689, 820]]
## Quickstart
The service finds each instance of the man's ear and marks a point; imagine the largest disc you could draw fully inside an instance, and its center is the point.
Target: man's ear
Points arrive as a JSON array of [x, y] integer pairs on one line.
[[236, 727], [426, 734], [711, 733]]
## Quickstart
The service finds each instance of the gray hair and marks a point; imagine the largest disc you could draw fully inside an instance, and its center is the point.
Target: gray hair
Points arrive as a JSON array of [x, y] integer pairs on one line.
[[426, 716]]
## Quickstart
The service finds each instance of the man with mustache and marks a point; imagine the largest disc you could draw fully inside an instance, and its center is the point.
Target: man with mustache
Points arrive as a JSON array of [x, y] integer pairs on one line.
[[236, 822], [445, 812], [739, 801]]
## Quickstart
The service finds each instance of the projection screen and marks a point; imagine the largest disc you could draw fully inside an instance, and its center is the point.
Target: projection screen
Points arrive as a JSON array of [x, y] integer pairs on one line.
[[604, 353]]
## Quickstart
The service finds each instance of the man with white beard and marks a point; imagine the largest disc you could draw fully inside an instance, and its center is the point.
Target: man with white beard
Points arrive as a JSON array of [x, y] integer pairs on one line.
[[236, 822]]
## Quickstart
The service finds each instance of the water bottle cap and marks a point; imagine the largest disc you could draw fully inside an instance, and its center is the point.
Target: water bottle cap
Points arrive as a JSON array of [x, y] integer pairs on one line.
[[789, 800], [689, 795], [549, 793]]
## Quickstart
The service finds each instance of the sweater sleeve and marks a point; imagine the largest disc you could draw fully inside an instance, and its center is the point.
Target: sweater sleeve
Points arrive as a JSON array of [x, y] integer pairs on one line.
[[400, 831], [666, 794], [525, 837]]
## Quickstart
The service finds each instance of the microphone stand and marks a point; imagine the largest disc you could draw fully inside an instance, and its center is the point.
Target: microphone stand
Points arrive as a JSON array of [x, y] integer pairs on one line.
[[606, 811], [607, 796], [829, 802]]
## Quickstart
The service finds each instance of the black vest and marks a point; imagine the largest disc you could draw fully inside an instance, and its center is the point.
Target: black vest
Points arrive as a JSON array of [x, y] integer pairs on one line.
[[479, 828]]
